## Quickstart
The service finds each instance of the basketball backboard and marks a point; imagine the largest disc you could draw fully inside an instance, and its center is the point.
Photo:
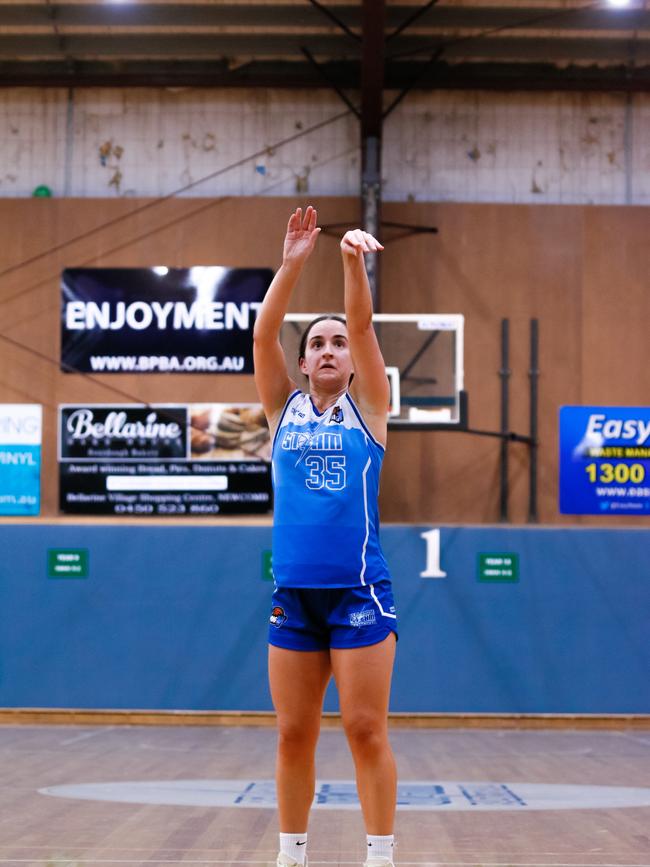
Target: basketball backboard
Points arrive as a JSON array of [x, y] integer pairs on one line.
[[424, 363]]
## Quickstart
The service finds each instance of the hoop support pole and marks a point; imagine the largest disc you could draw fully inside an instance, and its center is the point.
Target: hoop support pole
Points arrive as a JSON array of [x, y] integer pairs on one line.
[[533, 374]]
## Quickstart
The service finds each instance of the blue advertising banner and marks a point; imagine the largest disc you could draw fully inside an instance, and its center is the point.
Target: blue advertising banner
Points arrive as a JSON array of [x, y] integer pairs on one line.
[[20, 458], [604, 460]]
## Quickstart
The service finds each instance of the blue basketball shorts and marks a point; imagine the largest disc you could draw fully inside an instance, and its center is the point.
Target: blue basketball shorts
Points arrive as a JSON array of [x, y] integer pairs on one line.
[[340, 617]]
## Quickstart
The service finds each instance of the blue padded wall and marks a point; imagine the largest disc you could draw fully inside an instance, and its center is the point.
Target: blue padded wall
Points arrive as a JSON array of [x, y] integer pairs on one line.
[[175, 618]]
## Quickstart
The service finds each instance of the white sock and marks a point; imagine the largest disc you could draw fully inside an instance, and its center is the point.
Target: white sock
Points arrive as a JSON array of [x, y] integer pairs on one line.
[[294, 845], [380, 847]]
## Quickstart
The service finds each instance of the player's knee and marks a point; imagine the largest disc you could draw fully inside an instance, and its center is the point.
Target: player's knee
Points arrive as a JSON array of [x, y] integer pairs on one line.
[[365, 732], [296, 737]]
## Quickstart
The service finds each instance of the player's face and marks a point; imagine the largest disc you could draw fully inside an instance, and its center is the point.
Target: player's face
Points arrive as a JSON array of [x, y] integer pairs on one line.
[[327, 360]]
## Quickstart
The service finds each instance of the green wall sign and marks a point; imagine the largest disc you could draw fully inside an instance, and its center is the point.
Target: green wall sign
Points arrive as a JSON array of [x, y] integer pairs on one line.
[[498, 567], [67, 562], [267, 570]]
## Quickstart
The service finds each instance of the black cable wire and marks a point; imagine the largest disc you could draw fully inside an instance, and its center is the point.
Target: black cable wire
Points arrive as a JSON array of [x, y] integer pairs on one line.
[[411, 19], [156, 202], [89, 376], [117, 248], [442, 46], [53, 361], [339, 23], [133, 240], [113, 389]]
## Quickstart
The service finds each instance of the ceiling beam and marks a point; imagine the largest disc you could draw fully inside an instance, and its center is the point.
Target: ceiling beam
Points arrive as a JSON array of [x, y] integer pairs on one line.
[[261, 46], [308, 16], [300, 75]]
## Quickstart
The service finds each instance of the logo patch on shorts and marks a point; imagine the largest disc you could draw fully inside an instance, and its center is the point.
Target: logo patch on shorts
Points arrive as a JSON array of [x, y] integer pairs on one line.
[[363, 618], [278, 617]]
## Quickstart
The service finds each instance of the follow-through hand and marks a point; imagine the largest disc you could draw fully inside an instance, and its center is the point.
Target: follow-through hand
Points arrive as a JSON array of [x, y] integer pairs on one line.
[[301, 236], [356, 241]]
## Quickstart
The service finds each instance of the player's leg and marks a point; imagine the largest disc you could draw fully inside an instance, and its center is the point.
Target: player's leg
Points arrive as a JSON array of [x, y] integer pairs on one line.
[[363, 677], [298, 680]]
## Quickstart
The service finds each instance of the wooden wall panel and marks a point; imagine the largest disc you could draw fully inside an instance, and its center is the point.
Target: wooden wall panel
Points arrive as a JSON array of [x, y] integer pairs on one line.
[[580, 270], [490, 262]]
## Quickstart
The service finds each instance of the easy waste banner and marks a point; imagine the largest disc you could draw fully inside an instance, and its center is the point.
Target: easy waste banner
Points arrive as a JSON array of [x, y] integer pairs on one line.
[[604, 460], [20, 458]]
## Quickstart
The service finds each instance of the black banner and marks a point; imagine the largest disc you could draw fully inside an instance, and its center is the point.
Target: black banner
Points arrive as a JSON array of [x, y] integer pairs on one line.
[[160, 320], [203, 459]]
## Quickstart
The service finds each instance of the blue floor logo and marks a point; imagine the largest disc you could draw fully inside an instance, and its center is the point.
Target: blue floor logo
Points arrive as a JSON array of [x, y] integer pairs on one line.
[[342, 795]]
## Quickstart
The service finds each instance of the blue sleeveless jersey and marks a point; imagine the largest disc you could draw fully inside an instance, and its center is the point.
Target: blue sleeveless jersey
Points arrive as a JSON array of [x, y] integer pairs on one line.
[[326, 470]]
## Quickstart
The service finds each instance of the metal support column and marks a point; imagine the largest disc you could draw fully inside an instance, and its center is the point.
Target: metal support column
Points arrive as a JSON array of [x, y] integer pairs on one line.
[[371, 205], [372, 82], [504, 376], [533, 373]]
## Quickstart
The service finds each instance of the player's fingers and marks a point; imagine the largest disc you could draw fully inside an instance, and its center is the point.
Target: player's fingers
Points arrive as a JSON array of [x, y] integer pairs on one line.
[[351, 247], [361, 241], [372, 241], [307, 218], [313, 220]]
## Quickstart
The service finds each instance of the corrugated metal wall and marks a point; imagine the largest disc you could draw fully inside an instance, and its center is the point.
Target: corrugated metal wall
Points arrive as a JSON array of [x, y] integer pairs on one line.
[[565, 148]]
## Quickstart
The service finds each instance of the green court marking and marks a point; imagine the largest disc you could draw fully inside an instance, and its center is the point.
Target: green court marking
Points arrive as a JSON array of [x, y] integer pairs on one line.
[[498, 567], [67, 562], [267, 571]]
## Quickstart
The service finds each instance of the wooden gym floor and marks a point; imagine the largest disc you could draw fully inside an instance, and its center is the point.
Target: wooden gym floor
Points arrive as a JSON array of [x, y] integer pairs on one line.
[[49, 831]]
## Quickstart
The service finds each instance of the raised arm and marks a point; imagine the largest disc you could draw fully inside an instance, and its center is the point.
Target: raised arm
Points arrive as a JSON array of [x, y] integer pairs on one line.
[[271, 377], [370, 386]]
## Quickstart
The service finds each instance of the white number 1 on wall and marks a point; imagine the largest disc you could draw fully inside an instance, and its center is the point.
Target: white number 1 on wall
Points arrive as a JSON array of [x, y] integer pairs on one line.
[[433, 570]]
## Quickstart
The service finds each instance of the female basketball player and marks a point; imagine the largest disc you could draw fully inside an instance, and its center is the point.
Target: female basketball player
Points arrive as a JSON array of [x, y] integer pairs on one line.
[[333, 610]]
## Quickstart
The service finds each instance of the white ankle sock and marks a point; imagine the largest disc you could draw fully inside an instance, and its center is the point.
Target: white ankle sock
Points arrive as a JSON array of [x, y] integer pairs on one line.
[[380, 847], [294, 845]]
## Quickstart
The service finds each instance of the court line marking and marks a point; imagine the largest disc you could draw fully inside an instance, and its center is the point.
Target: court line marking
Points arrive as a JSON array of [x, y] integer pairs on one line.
[[635, 738], [85, 735], [104, 850], [476, 863], [403, 850]]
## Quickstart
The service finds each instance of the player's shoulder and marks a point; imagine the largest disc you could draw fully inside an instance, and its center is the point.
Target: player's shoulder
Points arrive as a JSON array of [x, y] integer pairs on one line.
[[373, 426], [299, 403], [291, 411]]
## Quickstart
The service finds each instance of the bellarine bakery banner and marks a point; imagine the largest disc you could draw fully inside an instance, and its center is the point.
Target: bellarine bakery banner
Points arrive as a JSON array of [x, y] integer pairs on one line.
[[176, 459], [160, 320]]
